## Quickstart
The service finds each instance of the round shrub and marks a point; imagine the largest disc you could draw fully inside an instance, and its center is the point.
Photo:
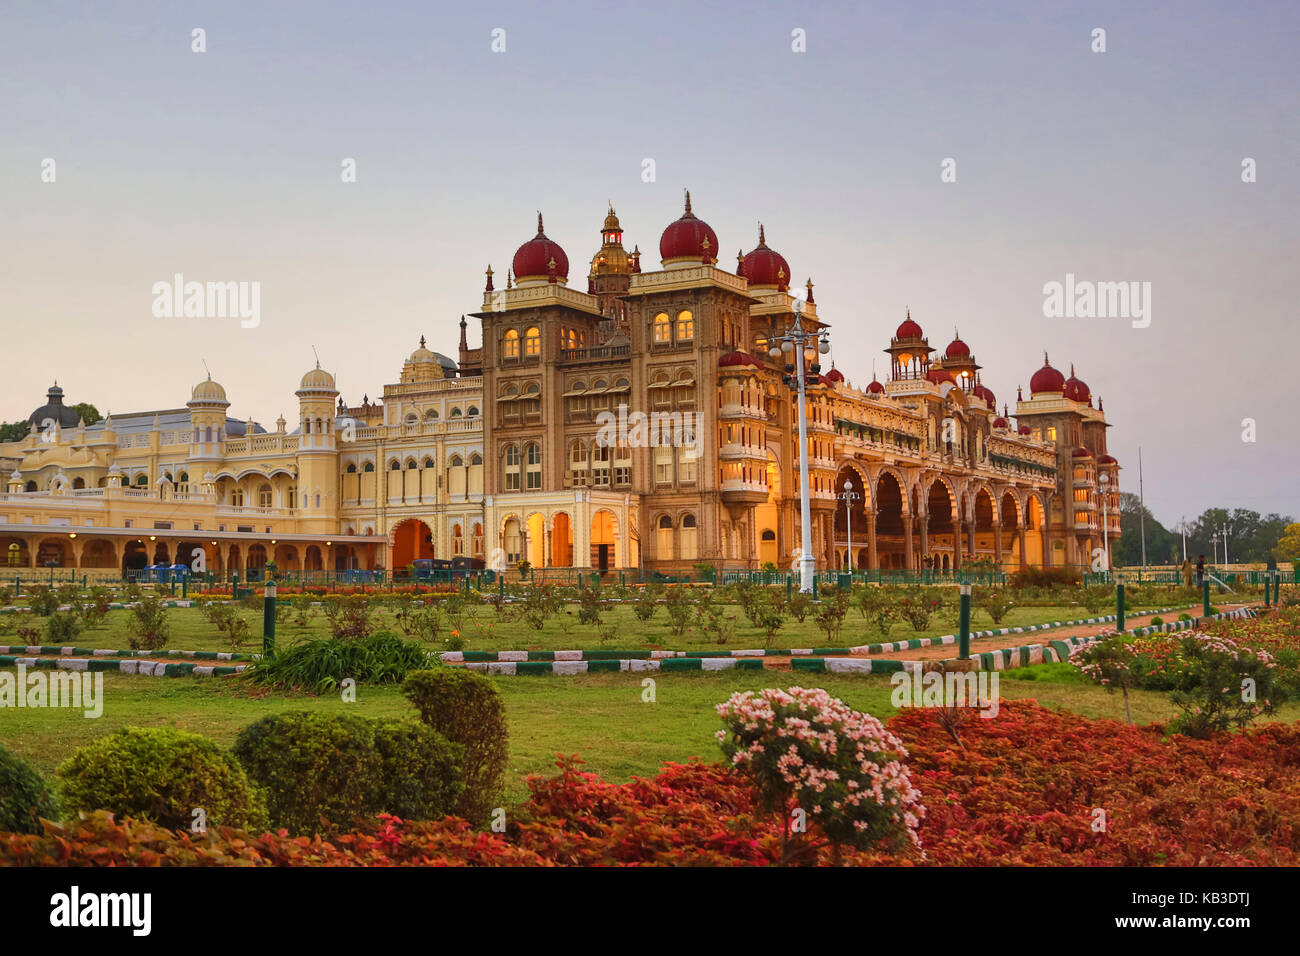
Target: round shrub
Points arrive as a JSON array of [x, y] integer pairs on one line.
[[342, 768], [1184, 616], [161, 775], [24, 798], [466, 708], [1156, 621]]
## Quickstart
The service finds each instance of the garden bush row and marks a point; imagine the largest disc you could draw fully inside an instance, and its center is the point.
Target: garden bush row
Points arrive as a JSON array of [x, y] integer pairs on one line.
[[304, 772]]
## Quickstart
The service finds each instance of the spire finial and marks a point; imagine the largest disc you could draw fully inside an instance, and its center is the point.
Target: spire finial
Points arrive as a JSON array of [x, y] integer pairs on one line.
[[539, 224], [1045, 360], [762, 235], [688, 203], [317, 354], [421, 341], [1071, 370]]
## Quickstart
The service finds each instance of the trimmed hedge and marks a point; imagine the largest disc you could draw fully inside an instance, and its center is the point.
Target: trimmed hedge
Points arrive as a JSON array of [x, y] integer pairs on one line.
[[325, 772], [466, 708], [161, 775], [24, 797]]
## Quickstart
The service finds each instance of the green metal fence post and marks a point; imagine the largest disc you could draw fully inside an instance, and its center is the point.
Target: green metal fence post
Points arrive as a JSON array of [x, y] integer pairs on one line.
[[1205, 596], [1119, 602], [268, 619], [964, 629]]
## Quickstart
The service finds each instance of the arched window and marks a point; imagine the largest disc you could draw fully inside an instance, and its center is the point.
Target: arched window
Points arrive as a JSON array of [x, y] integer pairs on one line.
[[664, 538], [457, 461], [369, 466], [184, 478], [457, 540], [512, 468], [578, 463], [689, 538], [237, 497], [661, 331], [410, 464], [478, 540], [78, 482], [510, 345], [533, 472], [142, 479], [599, 465], [473, 411], [264, 496], [394, 465], [455, 413], [476, 459], [533, 341], [30, 486], [685, 325], [428, 463], [532, 399], [431, 415], [412, 418]]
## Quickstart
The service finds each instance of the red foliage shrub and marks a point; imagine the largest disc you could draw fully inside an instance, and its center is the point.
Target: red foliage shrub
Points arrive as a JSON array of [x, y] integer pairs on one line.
[[1023, 791]]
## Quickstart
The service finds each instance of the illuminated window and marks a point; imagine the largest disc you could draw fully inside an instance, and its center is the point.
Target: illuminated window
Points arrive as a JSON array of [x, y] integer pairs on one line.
[[533, 341], [511, 344], [578, 463], [662, 329], [685, 326]]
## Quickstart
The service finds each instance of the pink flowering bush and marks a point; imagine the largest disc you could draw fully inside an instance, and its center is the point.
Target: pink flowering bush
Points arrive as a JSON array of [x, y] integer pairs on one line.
[[1230, 685], [824, 769]]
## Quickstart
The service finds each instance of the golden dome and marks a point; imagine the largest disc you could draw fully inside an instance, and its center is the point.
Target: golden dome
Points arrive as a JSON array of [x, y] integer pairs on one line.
[[317, 380], [208, 392]]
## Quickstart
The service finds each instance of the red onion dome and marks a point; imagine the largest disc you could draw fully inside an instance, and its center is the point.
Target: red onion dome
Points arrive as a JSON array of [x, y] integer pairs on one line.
[[1081, 453], [1076, 389], [1024, 430], [958, 349], [939, 376], [875, 388], [1107, 460], [984, 392], [766, 267], [834, 376], [738, 358], [689, 238], [1046, 379], [1001, 422], [909, 329], [533, 259]]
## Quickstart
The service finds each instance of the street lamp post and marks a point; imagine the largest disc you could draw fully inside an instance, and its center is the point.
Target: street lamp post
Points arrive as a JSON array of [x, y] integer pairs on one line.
[[1225, 544], [1104, 481], [849, 496], [794, 345], [1214, 543]]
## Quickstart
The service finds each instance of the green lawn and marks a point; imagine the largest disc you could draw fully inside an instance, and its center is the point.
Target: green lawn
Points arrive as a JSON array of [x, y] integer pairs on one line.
[[486, 630], [600, 717]]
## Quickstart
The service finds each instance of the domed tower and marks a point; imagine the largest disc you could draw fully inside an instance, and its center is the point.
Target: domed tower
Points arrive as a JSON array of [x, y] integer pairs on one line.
[[765, 268], [318, 472], [958, 360], [425, 366], [909, 351], [53, 416], [207, 407], [611, 266], [540, 261], [689, 241]]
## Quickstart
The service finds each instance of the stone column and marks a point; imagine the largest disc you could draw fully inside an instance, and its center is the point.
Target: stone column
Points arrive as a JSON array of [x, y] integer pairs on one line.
[[997, 544], [872, 561], [924, 522], [956, 543], [909, 558]]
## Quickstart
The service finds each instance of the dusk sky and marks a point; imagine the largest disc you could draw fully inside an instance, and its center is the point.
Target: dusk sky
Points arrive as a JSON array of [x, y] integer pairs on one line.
[[225, 166]]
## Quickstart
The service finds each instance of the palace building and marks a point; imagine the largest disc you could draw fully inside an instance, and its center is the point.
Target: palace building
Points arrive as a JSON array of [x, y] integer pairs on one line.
[[639, 423]]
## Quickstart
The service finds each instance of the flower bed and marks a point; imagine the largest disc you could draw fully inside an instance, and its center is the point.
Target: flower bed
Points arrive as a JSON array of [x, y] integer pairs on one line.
[[1025, 789]]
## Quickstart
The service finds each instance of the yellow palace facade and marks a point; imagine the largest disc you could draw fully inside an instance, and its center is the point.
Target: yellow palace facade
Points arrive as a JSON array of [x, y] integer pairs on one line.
[[520, 450]]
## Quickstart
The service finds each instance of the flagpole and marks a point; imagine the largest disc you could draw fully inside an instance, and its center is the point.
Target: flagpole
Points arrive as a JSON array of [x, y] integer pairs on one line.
[[1142, 507]]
